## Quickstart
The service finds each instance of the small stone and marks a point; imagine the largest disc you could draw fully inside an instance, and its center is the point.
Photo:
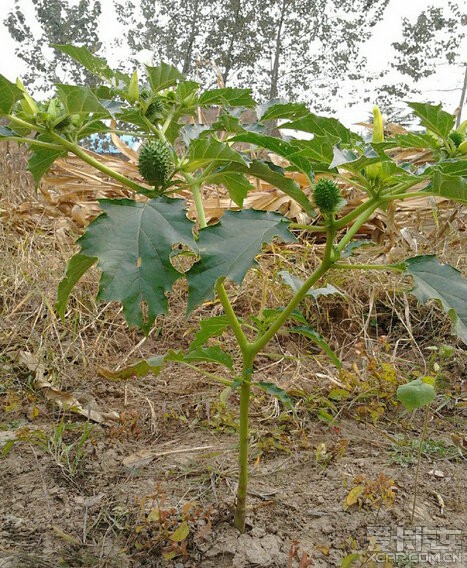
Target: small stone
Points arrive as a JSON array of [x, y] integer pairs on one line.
[[258, 532]]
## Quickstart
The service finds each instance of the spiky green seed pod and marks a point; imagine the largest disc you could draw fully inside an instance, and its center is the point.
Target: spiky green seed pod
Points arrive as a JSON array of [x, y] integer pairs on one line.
[[155, 162], [327, 196], [456, 137], [154, 110]]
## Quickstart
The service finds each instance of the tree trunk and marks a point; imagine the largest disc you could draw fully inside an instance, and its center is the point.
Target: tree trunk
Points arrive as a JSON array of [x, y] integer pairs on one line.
[[273, 91], [228, 58], [191, 39]]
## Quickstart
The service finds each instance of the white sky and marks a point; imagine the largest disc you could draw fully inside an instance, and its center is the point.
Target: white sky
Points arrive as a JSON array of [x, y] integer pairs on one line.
[[439, 87]]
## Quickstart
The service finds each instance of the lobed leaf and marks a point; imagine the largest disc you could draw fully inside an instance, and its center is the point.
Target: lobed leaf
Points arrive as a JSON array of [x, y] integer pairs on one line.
[[42, 158], [228, 249], [296, 283], [442, 282], [163, 76], [434, 118], [274, 110], [452, 187], [274, 175], [133, 243]]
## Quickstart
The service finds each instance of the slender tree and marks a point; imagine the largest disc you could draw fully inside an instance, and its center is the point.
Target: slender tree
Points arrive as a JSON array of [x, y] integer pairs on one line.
[[60, 23]]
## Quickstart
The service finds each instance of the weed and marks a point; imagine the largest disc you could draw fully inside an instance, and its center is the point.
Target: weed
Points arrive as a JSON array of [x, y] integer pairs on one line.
[[69, 455], [404, 451]]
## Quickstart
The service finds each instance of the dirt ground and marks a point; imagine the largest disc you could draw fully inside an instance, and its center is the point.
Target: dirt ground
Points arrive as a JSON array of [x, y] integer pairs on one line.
[[142, 473]]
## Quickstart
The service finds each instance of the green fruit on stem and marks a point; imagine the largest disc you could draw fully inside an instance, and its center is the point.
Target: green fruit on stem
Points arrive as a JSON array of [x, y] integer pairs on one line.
[[463, 147], [155, 162], [327, 196]]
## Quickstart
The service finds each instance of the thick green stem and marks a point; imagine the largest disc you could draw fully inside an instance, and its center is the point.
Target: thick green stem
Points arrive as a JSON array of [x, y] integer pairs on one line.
[[25, 124], [245, 390], [78, 151], [248, 356], [294, 302], [198, 200], [33, 142], [310, 228], [365, 206], [410, 195], [362, 218], [242, 341]]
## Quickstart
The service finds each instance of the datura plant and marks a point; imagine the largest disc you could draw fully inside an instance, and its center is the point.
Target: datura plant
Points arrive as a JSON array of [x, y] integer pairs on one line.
[[134, 243]]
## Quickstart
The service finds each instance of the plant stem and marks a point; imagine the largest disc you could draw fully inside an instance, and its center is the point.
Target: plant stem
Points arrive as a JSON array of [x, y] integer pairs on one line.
[[25, 124], [242, 341], [310, 228], [420, 449], [199, 206], [78, 151], [364, 216], [294, 302], [245, 389], [34, 142], [344, 221]]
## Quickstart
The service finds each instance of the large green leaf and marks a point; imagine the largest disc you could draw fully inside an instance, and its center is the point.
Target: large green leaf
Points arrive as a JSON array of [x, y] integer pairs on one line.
[[204, 151], [9, 94], [321, 126], [319, 340], [434, 118], [163, 76], [442, 282], [452, 187], [133, 242], [96, 65], [80, 100], [416, 394], [228, 96], [76, 267], [229, 248]]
